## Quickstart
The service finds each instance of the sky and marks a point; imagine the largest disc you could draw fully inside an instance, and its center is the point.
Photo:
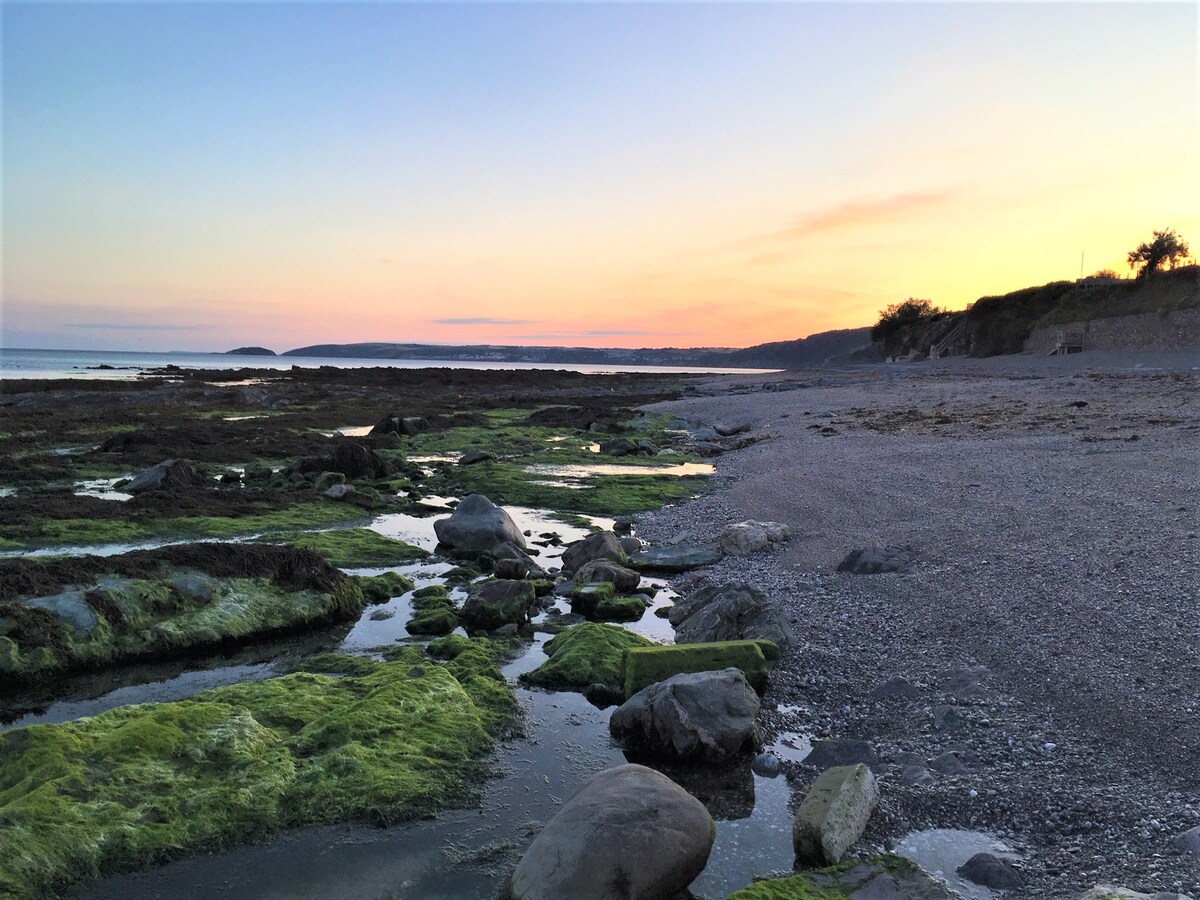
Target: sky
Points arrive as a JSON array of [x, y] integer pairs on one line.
[[205, 175]]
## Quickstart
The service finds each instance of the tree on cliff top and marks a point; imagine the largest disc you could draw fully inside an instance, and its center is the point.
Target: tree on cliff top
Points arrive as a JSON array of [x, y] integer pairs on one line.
[[899, 316], [1167, 247]]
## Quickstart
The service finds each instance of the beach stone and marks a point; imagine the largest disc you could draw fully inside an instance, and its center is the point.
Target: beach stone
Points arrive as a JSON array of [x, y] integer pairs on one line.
[[877, 560], [597, 546], [339, 491], [621, 446], [896, 688], [745, 538], [730, 611], [478, 524], [834, 814], [1112, 892], [728, 430], [965, 682], [623, 579], [707, 448], [471, 457], [629, 833], [395, 424], [949, 763], [69, 606], [991, 872], [704, 715], [493, 604], [672, 559], [631, 544], [767, 765], [1188, 841], [356, 461], [917, 776], [841, 752], [168, 475], [623, 525], [511, 558]]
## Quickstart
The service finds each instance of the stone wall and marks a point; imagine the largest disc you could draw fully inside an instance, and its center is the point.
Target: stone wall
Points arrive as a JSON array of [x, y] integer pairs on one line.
[[1176, 330]]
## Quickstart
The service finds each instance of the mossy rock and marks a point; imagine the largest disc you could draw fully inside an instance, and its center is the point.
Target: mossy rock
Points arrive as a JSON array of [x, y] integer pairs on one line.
[[179, 609], [437, 620], [358, 548], [586, 597], [382, 588], [584, 655], [433, 596], [134, 786], [494, 604], [644, 666], [620, 609], [326, 480], [899, 878]]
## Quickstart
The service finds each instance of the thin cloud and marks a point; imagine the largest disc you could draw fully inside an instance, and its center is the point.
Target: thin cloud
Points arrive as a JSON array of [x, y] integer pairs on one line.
[[866, 212], [482, 320], [134, 326]]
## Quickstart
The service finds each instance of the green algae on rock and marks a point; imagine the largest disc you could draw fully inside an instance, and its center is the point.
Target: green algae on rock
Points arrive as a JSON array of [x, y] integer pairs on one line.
[[597, 601], [84, 612], [383, 587], [584, 655], [885, 875], [437, 620], [134, 786], [643, 666], [358, 548]]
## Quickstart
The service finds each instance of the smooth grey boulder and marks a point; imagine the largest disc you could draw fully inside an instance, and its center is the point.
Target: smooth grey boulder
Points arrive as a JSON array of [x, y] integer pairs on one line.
[[877, 560], [339, 491], [597, 546], [841, 752], [631, 544], [478, 524], [708, 716], [168, 475], [1188, 841], [471, 457], [991, 872], [729, 611], [672, 559], [512, 559], [625, 580], [729, 429], [629, 833], [834, 815], [494, 604], [745, 538]]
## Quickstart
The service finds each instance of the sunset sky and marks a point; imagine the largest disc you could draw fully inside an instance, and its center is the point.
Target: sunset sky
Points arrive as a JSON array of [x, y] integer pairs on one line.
[[199, 176]]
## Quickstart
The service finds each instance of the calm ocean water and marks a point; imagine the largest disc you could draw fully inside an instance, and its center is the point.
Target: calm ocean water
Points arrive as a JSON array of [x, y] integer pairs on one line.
[[83, 363]]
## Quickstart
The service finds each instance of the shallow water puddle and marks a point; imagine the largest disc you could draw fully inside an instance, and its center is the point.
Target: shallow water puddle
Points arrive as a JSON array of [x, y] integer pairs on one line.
[[940, 851], [104, 488], [791, 746], [586, 470]]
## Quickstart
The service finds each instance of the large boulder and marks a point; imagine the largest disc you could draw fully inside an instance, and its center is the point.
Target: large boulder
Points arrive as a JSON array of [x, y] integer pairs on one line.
[[745, 538], [168, 475], [644, 666], [834, 815], [629, 833], [585, 655], [673, 559], [729, 611], [623, 579], [494, 604], [597, 546], [478, 524], [356, 461], [704, 715], [395, 424]]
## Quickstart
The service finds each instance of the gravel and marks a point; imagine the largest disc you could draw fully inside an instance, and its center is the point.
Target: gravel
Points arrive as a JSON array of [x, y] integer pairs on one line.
[[1049, 627]]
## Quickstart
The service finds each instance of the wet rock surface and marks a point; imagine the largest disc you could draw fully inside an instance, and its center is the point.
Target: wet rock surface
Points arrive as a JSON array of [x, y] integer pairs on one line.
[[629, 833], [478, 524], [834, 814], [729, 611], [707, 716]]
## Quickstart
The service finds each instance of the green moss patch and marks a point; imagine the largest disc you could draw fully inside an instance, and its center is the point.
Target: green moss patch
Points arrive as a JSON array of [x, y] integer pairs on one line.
[[91, 611], [135, 786], [382, 588], [643, 666], [584, 655], [38, 533], [845, 880], [358, 548], [438, 620]]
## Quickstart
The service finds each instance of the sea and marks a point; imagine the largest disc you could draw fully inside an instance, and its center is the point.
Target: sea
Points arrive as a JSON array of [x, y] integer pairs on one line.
[[17, 363]]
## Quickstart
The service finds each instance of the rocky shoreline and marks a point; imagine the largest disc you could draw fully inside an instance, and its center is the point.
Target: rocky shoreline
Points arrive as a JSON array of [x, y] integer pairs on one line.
[[1030, 669]]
